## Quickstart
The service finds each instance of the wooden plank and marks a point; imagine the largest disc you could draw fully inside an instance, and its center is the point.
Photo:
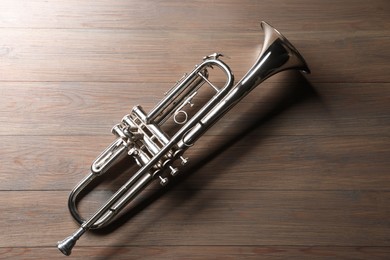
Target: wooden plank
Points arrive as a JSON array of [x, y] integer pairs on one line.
[[203, 252], [255, 162], [208, 217], [160, 56], [280, 108], [204, 15]]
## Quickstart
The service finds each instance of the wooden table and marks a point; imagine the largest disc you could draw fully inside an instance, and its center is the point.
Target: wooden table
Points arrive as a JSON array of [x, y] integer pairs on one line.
[[299, 170]]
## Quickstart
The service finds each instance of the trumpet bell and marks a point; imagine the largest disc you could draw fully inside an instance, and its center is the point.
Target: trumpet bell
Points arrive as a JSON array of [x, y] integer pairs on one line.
[[276, 42]]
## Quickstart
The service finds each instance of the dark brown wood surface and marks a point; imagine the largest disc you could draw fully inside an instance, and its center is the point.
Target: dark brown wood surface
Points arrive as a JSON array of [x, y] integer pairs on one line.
[[300, 169]]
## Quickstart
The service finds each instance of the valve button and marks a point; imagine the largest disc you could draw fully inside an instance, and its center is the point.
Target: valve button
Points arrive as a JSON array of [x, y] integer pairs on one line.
[[174, 171], [163, 181]]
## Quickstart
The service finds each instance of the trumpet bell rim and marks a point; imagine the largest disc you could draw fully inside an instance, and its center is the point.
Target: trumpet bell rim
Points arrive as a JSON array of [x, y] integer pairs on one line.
[[274, 34]]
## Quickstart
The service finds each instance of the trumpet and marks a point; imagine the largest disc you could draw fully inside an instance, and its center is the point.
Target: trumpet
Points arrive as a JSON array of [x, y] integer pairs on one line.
[[156, 152]]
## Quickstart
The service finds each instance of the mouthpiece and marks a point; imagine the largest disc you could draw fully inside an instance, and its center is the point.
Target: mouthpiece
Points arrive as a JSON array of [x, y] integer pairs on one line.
[[66, 245]]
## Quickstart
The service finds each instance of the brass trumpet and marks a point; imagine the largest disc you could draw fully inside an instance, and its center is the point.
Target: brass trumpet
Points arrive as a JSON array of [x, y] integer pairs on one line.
[[140, 135]]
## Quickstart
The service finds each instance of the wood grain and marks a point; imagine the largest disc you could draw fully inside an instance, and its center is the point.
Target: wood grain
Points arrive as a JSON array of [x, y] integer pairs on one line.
[[275, 163], [216, 15], [320, 109], [298, 170], [205, 252], [134, 55], [211, 217]]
